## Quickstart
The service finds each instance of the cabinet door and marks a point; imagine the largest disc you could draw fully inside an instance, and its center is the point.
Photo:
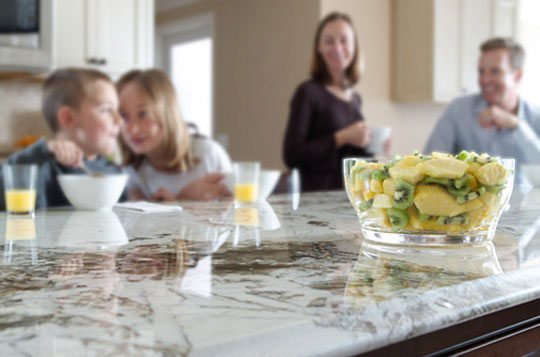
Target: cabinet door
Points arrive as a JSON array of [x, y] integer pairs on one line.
[[111, 34], [476, 28], [505, 18], [446, 56], [119, 34], [69, 33]]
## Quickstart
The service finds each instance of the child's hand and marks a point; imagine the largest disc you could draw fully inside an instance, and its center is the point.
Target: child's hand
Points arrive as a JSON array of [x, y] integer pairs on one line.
[[66, 152], [208, 187], [163, 195]]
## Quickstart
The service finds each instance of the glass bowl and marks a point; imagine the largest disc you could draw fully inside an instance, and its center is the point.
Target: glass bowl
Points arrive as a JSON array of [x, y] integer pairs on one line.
[[376, 225]]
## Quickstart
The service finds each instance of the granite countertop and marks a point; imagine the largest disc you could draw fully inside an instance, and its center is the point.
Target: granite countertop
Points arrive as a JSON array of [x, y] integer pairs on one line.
[[212, 280]]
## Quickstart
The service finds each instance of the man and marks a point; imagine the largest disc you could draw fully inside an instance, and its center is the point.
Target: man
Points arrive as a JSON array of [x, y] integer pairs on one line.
[[497, 121]]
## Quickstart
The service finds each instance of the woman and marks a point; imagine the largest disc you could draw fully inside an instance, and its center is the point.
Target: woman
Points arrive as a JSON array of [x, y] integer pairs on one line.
[[325, 122]]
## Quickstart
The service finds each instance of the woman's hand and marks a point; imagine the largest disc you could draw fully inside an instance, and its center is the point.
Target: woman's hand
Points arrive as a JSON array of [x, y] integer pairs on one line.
[[205, 188], [357, 134]]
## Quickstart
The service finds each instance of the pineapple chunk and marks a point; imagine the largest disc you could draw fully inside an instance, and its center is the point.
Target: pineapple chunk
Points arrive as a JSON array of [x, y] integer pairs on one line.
[[491, 174], [441, 155], [389, 186], [468, 207], [473, 167], [368, 195], [361, 185], [414, 222], [436, 201], [472, 182], [374, 165], [382, 201], [406, 170], [376, 186], [488, 198], [379, 215], [445, 168]]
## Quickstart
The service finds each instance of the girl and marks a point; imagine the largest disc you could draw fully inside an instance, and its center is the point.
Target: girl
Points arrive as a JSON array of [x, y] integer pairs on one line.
[[164, 162]]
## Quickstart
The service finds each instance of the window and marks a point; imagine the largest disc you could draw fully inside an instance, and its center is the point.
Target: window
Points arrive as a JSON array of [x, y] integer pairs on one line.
[[191, 74], [529, 32]]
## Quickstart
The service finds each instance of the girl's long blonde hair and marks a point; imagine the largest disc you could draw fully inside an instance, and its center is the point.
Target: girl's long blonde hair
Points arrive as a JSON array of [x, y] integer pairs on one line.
[[165, 109]]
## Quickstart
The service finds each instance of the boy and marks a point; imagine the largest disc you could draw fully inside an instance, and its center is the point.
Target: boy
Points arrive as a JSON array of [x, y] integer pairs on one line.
[[81, 107]]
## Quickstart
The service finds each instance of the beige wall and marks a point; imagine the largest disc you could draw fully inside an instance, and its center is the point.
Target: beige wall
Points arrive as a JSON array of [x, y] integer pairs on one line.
[[411, 123], [262, 52]]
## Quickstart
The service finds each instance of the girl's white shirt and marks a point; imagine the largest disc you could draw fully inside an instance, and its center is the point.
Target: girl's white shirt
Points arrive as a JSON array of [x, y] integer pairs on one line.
[[212, 158]]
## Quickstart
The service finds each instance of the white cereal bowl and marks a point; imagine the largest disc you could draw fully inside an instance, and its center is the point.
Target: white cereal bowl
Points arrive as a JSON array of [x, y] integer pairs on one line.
[[268, 180], [93, 193], [532, 173]]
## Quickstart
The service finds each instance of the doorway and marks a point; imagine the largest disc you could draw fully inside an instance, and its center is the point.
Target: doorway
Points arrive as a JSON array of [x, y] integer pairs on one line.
[[184, 50]]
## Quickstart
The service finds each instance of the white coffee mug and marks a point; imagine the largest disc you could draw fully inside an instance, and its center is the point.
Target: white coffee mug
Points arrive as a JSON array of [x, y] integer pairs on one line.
[[379, 135]]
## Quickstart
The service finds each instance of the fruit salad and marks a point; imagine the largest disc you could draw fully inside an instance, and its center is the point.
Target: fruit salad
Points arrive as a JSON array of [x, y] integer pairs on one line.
[[439, 192]]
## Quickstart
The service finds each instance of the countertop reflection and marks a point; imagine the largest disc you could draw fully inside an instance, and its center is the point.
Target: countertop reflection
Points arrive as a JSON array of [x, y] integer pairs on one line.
[[213, 279]]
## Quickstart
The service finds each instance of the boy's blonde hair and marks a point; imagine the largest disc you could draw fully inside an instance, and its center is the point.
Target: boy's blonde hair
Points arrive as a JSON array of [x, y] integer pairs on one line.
[[67, 87], [165, 109]]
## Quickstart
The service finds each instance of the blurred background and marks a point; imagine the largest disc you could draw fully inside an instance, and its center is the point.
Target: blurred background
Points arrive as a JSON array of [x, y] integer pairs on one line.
[[236, 63]]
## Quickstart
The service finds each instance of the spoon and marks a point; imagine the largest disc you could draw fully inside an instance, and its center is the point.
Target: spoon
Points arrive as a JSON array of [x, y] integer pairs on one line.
[[92, 173]]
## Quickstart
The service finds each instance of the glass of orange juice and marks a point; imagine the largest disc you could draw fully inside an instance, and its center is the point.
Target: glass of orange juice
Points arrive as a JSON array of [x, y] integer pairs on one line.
[[20, 182], [246, 183]]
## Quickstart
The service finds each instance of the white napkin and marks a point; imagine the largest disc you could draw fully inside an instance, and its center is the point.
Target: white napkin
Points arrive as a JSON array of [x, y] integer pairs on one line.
[[148, 207]]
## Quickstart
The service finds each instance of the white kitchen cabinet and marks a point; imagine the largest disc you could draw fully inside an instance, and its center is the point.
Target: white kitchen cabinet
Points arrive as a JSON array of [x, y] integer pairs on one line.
[[111, 35], [436, 45]]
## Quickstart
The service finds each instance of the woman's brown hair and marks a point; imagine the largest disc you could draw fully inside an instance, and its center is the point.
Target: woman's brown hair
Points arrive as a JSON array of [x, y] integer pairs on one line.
[[319, 72], [165, 109]]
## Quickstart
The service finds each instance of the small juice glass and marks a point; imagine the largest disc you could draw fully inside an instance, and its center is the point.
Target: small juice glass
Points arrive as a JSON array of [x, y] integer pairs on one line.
[[20, 181], [246, 182]]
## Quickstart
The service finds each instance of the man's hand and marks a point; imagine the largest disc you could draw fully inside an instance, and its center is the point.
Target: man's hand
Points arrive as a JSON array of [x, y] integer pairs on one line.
[[163, 195], [495, 117], [66, 152], [205, 188]]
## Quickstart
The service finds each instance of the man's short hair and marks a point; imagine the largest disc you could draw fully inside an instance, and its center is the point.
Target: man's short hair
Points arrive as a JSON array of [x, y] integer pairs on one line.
[[516, 52], [66, 87]]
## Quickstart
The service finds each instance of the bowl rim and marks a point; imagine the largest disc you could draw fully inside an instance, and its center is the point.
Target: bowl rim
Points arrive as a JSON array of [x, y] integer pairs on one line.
[[105, 176]]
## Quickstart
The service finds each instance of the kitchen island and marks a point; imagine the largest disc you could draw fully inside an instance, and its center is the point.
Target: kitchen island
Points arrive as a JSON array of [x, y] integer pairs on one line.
[[282, 279]]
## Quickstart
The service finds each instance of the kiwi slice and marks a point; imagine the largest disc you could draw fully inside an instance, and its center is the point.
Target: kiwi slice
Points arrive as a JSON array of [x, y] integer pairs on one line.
[[394, 161], [495, 188], [436, 180], [460, 182], [398, 218], [403, 194], [471, 196], [460, 219], [421, 157], [463, 156], [365, 205], [458, 191], [422, 217], [380, 174], [483, 159]]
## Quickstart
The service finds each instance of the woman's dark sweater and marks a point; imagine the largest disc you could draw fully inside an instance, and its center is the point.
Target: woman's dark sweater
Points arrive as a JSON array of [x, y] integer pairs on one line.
[[315, 115]]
